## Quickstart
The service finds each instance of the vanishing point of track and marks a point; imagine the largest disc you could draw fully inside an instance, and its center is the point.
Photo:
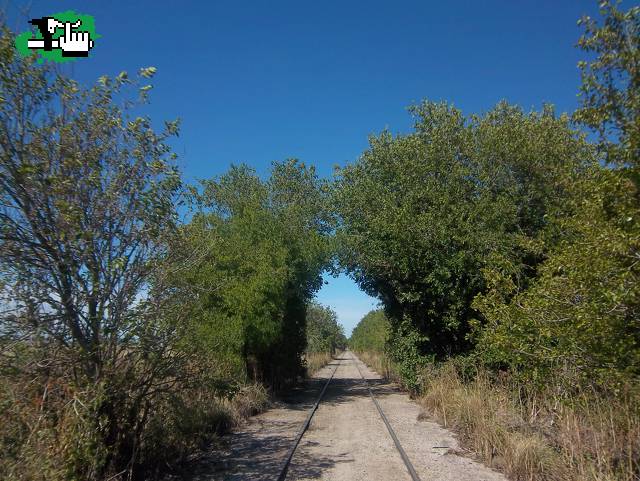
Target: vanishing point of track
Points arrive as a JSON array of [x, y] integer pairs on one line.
[[285, 465]]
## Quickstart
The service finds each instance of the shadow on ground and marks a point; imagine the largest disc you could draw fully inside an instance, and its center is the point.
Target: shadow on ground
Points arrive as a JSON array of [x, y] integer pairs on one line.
[[257, 451]]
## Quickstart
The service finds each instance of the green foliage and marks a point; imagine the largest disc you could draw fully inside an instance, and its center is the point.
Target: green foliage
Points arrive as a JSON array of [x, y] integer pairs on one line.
[[550, 237], [127, 337], [579, 317], [376, 338], [324, 334], [610, 90], [88, 196], [248, 264], [371, 333], [406, 349], [129, 331], [422, 214]]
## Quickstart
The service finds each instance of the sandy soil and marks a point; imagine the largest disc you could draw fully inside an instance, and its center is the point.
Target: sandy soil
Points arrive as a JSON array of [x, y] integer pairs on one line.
[[347, 440]]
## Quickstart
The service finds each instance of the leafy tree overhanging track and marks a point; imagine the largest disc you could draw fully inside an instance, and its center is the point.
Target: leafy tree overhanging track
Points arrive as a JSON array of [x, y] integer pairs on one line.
[[407, 462]]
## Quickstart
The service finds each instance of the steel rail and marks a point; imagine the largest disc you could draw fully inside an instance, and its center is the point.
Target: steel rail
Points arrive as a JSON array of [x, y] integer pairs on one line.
[[285, 465], [396, 441]]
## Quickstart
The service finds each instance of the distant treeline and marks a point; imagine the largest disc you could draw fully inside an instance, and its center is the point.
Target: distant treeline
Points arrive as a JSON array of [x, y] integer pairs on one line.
[[325, 336], [324, 333], [371, 333]]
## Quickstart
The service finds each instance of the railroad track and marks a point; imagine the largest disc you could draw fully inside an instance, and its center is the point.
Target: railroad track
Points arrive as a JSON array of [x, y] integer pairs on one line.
[[407, 462]]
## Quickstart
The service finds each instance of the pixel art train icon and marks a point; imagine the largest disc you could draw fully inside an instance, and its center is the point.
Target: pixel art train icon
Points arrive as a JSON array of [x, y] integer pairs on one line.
[[71, 43]]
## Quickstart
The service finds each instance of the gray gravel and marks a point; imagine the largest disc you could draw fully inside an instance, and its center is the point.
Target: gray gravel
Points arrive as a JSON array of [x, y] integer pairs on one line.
[[347, 440]]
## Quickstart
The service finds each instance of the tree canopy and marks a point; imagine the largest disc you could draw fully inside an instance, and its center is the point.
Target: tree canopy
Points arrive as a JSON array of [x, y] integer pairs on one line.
[[421, 215]]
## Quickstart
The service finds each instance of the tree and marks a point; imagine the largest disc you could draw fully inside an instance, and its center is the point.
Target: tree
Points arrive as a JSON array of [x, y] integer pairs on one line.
[[578, 319], [422, 214], [610, 90], [87, 198], [248, 264], [371, 333], [324, 334]]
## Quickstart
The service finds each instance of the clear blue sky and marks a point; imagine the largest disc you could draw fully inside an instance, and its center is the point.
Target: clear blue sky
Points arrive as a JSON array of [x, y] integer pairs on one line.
[[261, 81]]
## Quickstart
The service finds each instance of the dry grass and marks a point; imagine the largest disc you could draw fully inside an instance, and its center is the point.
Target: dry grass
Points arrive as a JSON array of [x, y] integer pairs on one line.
[[586, 438], [40, 442], [532, 436], [193, 424], [380, 364], [316, 360], [249, 401]]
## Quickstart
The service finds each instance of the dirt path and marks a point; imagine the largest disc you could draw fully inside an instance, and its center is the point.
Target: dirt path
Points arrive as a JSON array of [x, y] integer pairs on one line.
[[347, 440]]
